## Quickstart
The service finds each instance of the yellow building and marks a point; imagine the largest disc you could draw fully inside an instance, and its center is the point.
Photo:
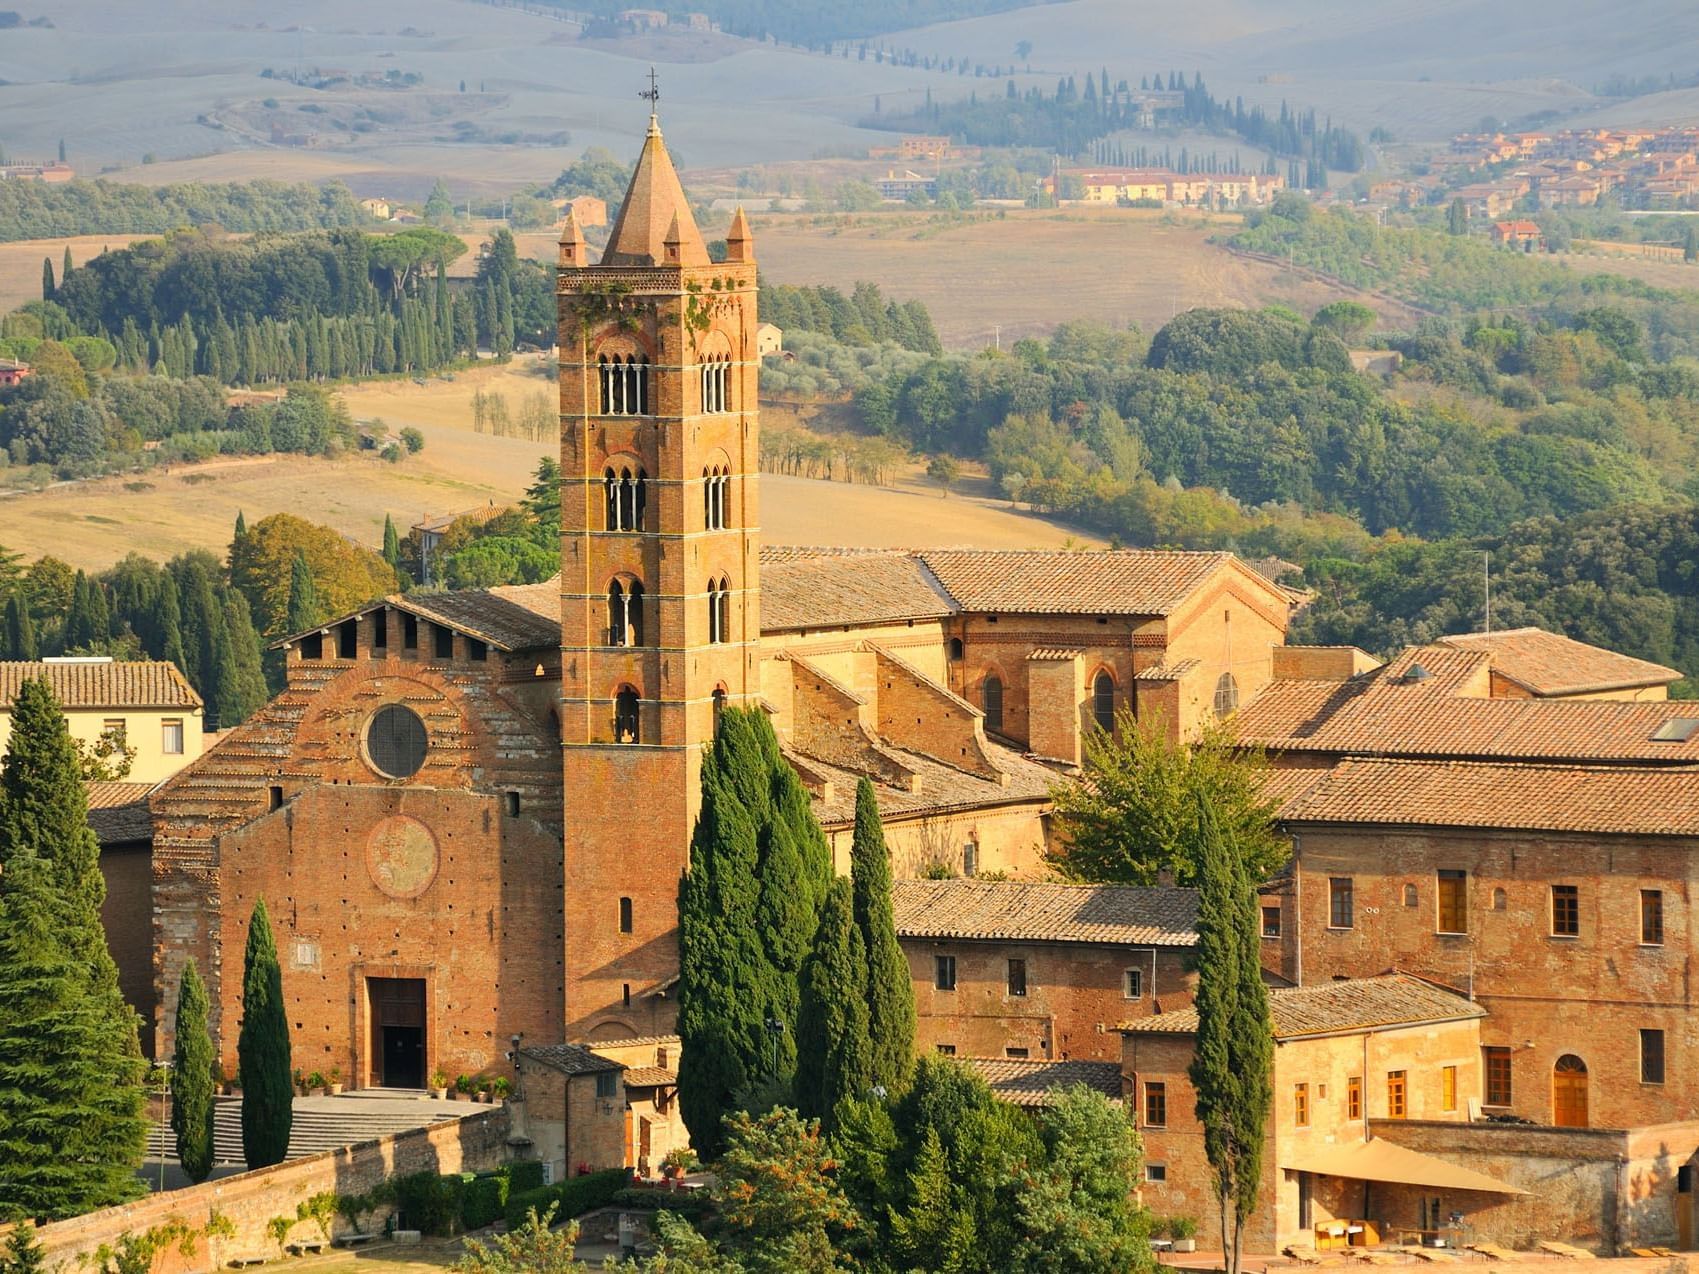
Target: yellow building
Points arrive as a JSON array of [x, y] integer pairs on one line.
[[148, 705]]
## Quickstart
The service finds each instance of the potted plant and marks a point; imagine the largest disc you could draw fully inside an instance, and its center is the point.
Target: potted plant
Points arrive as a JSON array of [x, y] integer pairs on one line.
[[439, 1083], [500, 1087], [481, 1088], [463, 1088], [678, 1161], [300, 1079], [316, 1084], [1184, 1230], [333, 1078]]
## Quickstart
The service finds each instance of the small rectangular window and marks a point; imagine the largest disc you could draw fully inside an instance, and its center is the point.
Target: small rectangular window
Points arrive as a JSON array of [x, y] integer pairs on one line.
[[1395, 1095], [380, 630], [1354, 1097], [970, 859], [1497, 1060], [275, 798], [947, 1050], [1452, 895], [625, 915], [1448, 1088], [944, 972], [171, 737], [312, 646], [1132, 985], [1341, 910], [442, 642], [476, 649], [1271, 922], [1156, 1172], [1652, 917], [625, 993], [114, 728], [1651, 1057], [606, 1084], [512, 802], [1155, 1104], [1301, 1105], [1017, 977], [1566, 911], [1017, 1053], [409, 632], [348, 639]]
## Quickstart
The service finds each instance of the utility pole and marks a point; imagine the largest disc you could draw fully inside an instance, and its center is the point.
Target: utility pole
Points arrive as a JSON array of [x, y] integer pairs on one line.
[[1487, 581]]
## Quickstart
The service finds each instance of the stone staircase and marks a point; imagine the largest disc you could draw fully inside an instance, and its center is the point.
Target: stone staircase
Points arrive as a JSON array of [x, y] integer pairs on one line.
[[320, 1123]]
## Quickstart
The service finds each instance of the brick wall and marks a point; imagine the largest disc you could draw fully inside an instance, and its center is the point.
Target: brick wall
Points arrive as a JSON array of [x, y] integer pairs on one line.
[[1075, 996], [127, 917], [1548, 996], [569, 1126], [251, 1199]]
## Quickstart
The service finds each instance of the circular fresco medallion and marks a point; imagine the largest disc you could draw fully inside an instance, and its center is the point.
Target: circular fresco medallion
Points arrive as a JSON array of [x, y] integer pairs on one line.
[[401, 856]]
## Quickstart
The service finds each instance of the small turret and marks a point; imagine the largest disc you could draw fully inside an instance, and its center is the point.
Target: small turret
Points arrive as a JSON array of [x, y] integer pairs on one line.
[[740, 243], [574, 251], [673, 243]]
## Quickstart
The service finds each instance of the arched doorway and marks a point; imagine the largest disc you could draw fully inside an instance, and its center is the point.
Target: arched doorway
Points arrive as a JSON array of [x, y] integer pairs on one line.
[[1569, 1092]]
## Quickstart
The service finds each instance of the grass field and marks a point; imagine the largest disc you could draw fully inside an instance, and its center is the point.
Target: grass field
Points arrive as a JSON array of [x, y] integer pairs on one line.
[[20, 262], [1029, 271]]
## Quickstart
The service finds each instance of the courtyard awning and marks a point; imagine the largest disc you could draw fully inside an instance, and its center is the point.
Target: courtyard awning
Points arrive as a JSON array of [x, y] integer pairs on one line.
[[1381, 1160]]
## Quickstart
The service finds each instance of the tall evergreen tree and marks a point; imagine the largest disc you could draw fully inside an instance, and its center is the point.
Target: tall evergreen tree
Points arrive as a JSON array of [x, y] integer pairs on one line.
[[167, 621], [237, 537], [391, 542], [890, 994], [262, 1049], [1231, 1068], [303, 609], [47, 288], [247, 690], [20, 632], [65, 273], [192, 1078], [834, 1053], [71, 1125]]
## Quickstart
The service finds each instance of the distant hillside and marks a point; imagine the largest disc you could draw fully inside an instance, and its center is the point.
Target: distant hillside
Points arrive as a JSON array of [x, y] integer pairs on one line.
[[813, 23]]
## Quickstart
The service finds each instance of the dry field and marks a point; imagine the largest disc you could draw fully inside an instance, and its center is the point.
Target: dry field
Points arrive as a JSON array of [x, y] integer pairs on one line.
[[20, 262], [1681, 275], [1030, 271]]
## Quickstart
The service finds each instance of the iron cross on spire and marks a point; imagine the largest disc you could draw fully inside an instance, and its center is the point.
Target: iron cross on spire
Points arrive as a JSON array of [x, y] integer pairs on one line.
[[652, 94]]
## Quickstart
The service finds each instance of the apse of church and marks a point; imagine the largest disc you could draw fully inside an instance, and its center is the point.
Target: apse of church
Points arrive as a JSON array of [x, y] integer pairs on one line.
[[659, 575]]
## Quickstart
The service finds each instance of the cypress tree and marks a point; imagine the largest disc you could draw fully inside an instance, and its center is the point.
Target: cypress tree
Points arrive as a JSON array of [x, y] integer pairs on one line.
[[1230, 1070], [303, 609], [241, 533], [47, 288], [391, 542], [247, 689], [167, 621], [262, 1050], [890, 994], [20, 632], [834, 1052], [191, 1078], [66, 272], [71, 1126]]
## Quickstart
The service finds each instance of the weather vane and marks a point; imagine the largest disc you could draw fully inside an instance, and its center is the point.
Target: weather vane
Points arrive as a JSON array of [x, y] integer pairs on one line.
[[652, 94]]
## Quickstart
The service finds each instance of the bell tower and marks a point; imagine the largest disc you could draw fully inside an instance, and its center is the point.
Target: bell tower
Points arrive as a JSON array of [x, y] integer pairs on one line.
[[660, 614]]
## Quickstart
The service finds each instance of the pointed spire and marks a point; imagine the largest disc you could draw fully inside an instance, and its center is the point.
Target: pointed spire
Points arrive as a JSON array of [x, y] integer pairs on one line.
[[573, 250], [654, 214], [740, 243]]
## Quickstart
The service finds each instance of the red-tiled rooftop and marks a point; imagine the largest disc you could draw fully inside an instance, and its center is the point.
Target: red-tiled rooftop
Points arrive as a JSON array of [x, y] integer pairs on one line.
[[1027, 1081], [1551, 664], [102, 683], [1356, 1004], [1042, 911]]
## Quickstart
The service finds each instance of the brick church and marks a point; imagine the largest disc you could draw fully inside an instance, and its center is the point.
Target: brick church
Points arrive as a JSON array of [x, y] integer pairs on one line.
[[468, 812]]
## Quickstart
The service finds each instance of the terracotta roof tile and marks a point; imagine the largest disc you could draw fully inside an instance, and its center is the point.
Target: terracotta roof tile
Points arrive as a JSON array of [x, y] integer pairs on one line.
[[1041, 911], [1628, 800], [1030, 1081], [111, 795], [118, 812], [1033, 581], [832, 590], [103, 683], [1552, 664], [570, 1059], [941, 787], [649, 1077], [1376, 714], [511, 617], [1357, 1004], [654, 212], [638, 1040], [1168, 672]]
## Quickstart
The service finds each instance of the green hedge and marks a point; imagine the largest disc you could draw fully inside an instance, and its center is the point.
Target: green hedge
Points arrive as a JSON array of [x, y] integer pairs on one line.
[[688, 1202], [524, 1175], [571, 1198], [429, 1203], [484, 1200]]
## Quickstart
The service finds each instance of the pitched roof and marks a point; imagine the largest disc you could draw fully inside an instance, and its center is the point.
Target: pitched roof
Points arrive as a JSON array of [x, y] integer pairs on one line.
[[1355, 1004], [655, 210], [1552, 664], [828, 590], [118, 812], [102, 683], [1028, 1081], [1040, 911], [510, 617], [1056, 581], [649, 1077], [1601, 799], [570, 1059], [941, 787], [1377, 714]]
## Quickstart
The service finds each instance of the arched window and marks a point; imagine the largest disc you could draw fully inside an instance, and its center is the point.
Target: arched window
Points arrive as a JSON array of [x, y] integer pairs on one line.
[[1569, 1092], [624, 384], [719, 610], [627, 719], [1103, 701], [956, 649], [719, 701], [716, 383], [625, 614], [716, 482], [627, 495], [1410, 896], [725, 609], [1498, 900], [991, 700], [1226, 695]]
